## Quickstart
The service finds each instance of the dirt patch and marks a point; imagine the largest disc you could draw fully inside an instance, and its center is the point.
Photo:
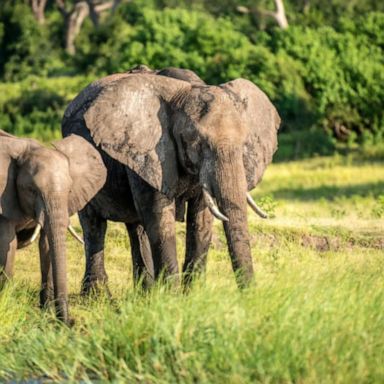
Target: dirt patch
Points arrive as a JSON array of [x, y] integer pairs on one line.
[[320, 243]]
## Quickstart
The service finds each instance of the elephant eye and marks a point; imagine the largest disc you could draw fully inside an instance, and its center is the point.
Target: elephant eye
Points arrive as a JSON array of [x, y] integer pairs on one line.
[[31, 190]]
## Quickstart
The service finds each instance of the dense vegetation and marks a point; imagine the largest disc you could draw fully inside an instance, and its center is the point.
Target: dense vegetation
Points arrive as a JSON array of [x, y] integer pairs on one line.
[[324, 72]]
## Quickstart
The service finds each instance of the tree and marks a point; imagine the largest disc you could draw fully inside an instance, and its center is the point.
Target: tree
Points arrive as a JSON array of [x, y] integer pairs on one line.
[[75, 15], [38, 8], [279, 15]]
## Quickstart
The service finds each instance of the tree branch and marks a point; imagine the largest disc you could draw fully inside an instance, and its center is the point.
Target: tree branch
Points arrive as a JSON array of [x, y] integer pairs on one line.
[[104, 6], [38, 8], [61, 6], [75, 20], [279, 16]]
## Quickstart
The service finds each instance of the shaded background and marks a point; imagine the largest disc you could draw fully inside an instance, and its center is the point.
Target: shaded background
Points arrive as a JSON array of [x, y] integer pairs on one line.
[[321, 62]]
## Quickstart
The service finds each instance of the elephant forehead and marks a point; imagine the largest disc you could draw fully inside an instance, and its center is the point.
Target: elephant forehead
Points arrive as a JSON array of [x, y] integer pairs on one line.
[[224, 129], [45, 166], [224, 123], [209, 102], [120, 115], [48, 157]]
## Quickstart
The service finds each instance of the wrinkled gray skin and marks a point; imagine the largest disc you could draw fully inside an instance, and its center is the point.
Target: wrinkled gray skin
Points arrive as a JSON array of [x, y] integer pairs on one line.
[[162, 140], [40, 185]]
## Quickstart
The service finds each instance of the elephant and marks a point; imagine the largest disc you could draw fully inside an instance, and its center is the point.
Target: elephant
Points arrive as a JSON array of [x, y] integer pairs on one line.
[[166, 140], [40, 188]]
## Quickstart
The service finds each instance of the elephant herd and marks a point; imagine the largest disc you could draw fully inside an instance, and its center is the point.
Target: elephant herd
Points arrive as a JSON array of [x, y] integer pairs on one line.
[[145, 148]]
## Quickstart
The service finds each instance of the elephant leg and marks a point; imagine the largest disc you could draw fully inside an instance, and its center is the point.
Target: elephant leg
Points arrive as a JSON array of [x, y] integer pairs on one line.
[[143, 271], [199, 235], [157, 213], [46, 292], [94, 229], [8, 245]]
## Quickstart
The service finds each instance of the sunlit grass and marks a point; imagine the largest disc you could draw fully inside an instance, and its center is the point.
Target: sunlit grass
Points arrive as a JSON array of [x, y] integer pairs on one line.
[[313, 315]]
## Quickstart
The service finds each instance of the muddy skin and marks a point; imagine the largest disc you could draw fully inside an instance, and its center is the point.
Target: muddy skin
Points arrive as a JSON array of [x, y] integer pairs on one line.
[[173, 139], [40, 188]]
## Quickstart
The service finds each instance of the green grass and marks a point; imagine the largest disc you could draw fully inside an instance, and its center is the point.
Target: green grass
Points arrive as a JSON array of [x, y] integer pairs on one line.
[[315, 313]]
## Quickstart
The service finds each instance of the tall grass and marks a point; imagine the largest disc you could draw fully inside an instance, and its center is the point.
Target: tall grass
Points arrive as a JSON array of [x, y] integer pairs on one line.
[[310, 317]]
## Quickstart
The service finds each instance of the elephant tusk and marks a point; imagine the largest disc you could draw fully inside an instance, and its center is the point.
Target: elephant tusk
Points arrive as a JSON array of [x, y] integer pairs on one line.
[[212, 206], [255, 207], [75, 235], [34, 236]]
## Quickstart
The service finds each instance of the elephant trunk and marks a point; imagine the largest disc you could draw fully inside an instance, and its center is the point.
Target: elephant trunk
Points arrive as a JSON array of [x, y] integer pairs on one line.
[[55, 226], [230, 191]]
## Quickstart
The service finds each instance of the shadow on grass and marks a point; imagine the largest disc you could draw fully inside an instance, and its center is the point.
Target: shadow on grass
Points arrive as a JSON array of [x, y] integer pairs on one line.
[[305, 144], [330, 192]]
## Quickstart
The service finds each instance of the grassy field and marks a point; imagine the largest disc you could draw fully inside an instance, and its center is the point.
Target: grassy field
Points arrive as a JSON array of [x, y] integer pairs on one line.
[[314, 315]]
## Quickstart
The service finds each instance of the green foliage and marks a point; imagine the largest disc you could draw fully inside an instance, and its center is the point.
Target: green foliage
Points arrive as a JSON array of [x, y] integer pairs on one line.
[[316, 76], [324, 73], [25, 47], [342, 75], [34, 107], [178, 37], [318, 13], [378, 210], [268, 204], [304, 143]]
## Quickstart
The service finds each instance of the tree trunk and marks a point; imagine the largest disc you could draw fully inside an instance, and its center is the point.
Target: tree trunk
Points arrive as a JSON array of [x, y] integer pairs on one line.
[[280, 16], [74, 22], [74, 18], [38, 8]]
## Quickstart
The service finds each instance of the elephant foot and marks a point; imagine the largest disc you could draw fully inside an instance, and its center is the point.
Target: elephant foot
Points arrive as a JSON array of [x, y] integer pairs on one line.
[[3, 281], [4, 278], [187, 281], [92, 286], [62, 313], [170, 282], [70, 322], [46, 297], [191, 278], [144, 282]]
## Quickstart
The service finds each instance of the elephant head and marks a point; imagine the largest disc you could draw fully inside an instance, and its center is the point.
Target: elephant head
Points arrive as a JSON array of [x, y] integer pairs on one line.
[[223, 137], [48, 185]]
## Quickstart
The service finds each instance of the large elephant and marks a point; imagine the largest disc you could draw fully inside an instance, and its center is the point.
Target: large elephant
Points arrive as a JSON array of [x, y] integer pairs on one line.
[[40, 188], [165, 140]]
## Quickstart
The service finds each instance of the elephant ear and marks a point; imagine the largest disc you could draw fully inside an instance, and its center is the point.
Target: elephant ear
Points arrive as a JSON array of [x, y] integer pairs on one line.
[[262, 122], [12, 150], [86, 169], [181, 74], [6, 134], [130, 120]]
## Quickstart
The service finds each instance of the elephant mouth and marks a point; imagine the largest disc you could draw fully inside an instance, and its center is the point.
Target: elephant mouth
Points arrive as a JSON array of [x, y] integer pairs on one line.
[[28, 233], [24, 233]]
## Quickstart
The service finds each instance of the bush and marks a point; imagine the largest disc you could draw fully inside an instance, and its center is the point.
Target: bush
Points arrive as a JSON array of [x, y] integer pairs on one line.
[[25, 47], [342, 76], [172, 37], [324, 73], [35, 106], [316, 76]]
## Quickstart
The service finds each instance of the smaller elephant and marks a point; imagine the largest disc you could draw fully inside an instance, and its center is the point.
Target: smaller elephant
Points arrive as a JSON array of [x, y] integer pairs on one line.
[[40, 188]]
